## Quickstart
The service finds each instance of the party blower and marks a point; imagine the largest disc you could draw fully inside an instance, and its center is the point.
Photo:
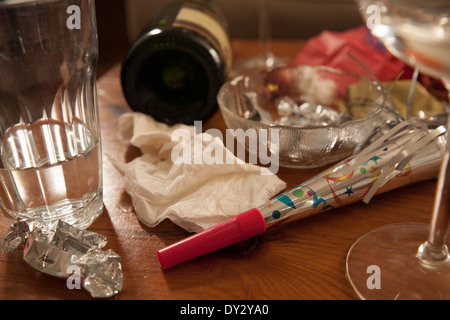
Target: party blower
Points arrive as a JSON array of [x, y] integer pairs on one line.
[[408, 153]]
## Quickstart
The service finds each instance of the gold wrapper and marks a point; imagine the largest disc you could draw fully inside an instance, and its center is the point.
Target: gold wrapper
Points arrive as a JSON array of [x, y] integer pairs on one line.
[[424, 104]]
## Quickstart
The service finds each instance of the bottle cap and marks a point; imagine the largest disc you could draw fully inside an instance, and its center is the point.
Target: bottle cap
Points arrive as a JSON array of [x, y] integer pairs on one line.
[[239, 228]]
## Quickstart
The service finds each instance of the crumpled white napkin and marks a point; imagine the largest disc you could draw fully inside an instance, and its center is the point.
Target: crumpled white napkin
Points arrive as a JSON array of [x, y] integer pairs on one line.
[[193, 196]]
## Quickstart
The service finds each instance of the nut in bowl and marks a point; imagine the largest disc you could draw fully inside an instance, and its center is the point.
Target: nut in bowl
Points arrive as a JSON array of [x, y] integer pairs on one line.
[[322, 114]]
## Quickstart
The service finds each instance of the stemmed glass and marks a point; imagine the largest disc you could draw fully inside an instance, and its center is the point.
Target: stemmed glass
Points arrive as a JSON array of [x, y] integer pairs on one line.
[[409, 260], [266, 59]]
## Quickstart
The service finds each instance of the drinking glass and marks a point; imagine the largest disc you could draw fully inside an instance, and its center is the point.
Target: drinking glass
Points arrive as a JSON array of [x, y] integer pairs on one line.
[[266, 59], [50, 149], [409, 260]]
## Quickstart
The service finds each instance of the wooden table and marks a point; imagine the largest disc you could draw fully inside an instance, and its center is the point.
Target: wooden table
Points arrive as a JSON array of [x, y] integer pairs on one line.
[[302, 260]]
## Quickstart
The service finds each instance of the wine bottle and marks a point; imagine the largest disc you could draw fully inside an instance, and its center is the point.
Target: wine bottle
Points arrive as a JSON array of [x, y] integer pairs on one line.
[[175, 68]]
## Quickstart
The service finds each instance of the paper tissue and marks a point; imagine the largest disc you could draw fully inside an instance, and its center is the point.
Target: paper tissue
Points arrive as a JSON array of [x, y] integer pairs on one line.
[[193, 194]]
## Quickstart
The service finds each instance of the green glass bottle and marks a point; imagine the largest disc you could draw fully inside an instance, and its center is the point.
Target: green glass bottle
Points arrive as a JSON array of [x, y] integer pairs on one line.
[[175, 68]]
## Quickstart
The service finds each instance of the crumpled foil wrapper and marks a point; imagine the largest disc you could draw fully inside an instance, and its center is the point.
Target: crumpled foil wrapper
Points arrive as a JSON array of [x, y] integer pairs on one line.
[[60, 250], [307, 114]]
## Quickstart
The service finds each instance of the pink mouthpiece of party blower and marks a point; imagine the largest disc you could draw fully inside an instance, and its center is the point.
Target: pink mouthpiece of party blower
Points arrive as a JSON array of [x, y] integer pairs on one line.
[[239, 228]]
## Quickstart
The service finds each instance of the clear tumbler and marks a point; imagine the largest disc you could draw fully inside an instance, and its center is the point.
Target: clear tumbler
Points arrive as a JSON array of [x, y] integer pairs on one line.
[[50, 148]]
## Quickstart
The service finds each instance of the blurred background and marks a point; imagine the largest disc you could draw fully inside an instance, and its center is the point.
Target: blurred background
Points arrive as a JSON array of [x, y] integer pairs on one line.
[[120, 21]]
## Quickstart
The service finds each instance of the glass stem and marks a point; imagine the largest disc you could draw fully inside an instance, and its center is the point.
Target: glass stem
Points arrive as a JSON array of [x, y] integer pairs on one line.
[[435, 250], [411, 92], [264, 28], [440, 218]]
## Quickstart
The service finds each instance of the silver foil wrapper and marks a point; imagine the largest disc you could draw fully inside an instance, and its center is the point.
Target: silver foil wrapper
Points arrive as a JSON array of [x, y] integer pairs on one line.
[[408, 153], [14, 237], [307, 114], [64, 251]]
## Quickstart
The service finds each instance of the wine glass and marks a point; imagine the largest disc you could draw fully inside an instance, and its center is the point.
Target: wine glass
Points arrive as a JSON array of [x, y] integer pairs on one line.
[[409, 260], [266, 59]]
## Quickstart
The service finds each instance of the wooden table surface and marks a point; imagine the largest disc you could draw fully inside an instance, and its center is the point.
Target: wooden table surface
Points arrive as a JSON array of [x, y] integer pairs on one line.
[[302, 260]]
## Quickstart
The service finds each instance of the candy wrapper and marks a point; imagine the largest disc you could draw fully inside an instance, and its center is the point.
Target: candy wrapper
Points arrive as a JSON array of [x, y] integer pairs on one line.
[[333, 48], [408, 153], [64, 251]]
